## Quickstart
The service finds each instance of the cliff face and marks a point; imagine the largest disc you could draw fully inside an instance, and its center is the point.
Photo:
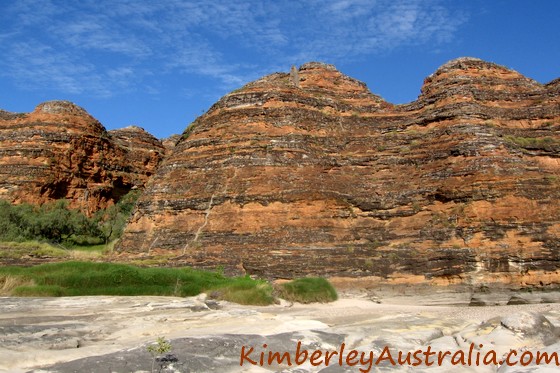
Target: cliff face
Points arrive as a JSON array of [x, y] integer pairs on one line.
[[60, 151], [310, 173]]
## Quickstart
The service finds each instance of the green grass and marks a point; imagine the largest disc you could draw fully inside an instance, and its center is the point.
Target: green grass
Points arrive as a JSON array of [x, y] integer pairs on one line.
[[25, 245], [93, 248], [544, 143], [245, 291], [37, 249], [17, 250], [51, 252], [89, 278], [308, 290], [77, 278], [38, 291]]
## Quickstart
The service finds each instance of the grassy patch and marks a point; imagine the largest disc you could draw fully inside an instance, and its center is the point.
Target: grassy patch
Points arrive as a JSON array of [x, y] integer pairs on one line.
[[543, 143], [160, 260], [25, 245], [245, 291], [308, 290], [18, 250], [78, 278], [50, 252], [38, 291], [36, 249], [88, 278], [9, 282]]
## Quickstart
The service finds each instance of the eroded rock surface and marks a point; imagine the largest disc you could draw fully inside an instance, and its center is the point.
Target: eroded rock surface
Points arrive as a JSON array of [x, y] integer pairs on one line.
[[97, 334], [309, 173], [60, 151]]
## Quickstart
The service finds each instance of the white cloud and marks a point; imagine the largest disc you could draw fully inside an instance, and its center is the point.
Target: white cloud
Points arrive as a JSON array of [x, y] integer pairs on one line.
[[99, 33], [96, 46], [354, 28], [34, 65]]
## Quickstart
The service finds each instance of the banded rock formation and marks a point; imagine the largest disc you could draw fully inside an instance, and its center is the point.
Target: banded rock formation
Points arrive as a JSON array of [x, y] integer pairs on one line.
[[60, 151], [309, 173]]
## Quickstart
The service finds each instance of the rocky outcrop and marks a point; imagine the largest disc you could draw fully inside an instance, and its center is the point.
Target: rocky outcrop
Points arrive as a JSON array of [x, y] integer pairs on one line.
[[60, 151], [310, 173], [145, 152], [170, 142]]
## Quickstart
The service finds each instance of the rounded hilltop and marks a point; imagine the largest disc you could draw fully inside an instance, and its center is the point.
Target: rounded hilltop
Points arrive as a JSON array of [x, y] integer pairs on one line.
[[60, 107], [312, 87], [476, 68], [311, 76], [60, 151], [468, 79]]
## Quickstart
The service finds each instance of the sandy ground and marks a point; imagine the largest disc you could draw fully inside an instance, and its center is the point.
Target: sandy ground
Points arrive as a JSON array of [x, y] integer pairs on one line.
[[59, 334]]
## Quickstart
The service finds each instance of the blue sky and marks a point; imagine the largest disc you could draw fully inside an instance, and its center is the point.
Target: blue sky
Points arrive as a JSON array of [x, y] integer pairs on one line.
[[160, 64]]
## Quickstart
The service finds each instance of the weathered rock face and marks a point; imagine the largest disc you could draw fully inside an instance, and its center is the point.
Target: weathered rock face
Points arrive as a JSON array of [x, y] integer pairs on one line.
[[170, 142], [60, 151], [310, 173]]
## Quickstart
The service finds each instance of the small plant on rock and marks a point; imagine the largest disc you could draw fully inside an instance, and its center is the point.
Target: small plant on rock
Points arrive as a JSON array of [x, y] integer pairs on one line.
[[162, 346]]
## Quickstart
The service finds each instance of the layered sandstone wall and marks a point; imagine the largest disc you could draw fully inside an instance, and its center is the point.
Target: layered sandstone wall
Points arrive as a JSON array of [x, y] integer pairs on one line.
[[308, 172]]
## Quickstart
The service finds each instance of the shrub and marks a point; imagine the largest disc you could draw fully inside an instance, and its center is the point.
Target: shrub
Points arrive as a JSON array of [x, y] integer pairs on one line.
[[111, 221], [53, 222], [161, 347]]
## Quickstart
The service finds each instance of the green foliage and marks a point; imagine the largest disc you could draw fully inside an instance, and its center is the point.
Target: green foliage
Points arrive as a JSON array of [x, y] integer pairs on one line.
[[112, 220], [89, 278], [13, 220], [55, 222], [308, 290], [160, 347]]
